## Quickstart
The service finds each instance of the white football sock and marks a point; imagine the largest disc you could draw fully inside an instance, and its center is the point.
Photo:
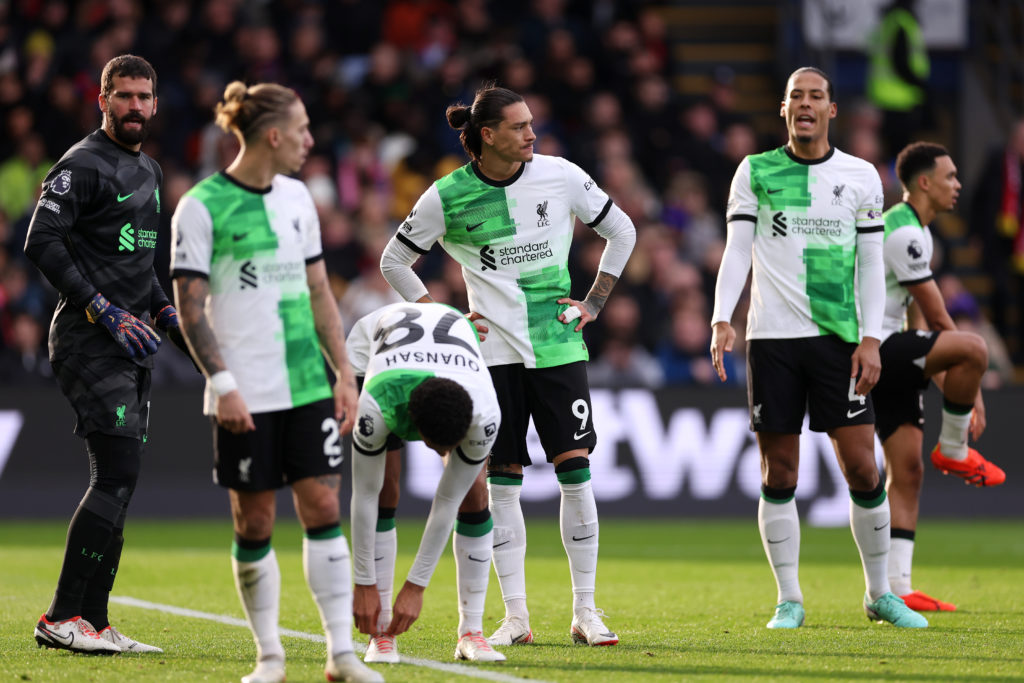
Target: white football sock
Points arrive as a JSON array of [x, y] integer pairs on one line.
[[577, 517], [385, 550], [871, 531], [472, 569], [259, 587], [509, 553], [329, 575], [901, 560], [953, 435], [779, 524]]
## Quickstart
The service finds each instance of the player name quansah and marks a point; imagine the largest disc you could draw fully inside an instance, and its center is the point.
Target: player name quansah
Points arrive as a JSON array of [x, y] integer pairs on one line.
[[452, 359]]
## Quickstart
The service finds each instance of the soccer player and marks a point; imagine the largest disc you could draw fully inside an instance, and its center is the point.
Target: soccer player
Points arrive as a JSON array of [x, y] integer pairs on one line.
[[425, 378], [93, 236], [809, 218], [931, 349], [256, 309], [507, 217]]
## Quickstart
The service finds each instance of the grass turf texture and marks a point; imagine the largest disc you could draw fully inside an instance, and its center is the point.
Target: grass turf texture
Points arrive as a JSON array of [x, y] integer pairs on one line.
[[688, 599]]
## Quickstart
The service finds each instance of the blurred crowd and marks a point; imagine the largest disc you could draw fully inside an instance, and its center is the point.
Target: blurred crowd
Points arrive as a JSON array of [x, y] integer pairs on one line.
[[376, 77]]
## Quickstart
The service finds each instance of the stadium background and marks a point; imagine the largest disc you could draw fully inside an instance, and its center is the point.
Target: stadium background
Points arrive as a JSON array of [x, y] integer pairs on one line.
[[657, 100]]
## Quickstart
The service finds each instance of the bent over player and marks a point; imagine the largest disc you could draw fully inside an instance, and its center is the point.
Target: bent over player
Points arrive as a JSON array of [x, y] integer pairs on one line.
[[424, 378]]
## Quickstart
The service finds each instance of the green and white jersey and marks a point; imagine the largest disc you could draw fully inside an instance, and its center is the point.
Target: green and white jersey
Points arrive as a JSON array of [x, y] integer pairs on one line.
[[399, 346], [807, 215], [908, 254], [254, 246], [512, 240]]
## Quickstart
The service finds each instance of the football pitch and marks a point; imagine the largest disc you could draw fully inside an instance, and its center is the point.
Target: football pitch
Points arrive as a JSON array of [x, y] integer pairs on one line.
[[688, 599]]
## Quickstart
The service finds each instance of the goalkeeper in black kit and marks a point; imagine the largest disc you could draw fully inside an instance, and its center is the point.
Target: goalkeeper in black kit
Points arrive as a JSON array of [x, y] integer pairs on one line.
[[93, 236]]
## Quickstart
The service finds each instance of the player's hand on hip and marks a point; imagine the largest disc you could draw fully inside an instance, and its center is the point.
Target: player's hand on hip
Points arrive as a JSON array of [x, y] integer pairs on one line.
[[481, 329], [366, 608], [407, 608], [867, 363], [233, 415], [346, 403], [723, 336], [577, 310], [134, 336]]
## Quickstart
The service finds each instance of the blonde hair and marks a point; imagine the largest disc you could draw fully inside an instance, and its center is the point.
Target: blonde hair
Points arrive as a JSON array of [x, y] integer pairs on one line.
[[247, 111]]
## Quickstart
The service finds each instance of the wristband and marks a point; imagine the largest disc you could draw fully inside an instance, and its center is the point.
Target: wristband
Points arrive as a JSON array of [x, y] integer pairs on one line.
[[223, 382]]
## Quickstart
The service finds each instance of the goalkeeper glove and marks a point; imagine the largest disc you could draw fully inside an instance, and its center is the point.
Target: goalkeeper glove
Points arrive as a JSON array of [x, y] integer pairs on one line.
[[134, 336], [167, 320]]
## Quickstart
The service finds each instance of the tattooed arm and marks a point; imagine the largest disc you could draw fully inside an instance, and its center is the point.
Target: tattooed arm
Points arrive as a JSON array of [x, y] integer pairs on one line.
[[331, 334], [190, 293]]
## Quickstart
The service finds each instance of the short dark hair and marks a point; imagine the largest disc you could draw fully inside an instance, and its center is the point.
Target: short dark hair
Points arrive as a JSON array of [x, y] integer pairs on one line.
[[813, 70], [486, 110], [130, 66], [441, 410], [917, 158]]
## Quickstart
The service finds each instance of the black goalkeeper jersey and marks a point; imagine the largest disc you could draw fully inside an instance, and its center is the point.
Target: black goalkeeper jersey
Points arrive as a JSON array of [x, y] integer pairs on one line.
[[94, 229]]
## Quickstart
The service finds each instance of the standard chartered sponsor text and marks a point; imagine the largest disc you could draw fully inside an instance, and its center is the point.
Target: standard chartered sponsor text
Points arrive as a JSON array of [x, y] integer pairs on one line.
[[534, 251], [803, 225]]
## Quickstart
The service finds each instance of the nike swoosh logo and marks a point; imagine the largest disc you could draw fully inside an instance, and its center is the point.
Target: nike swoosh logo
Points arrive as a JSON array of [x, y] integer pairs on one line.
[[335, 460], [252, 583], [471, 228], [498, 545], [67, 640], [774, 191], [378, 559], [121, 199], [238, 238], [476, 559], [583, 538], [579, 436], [879, 528], [851, 413], [335, 558], [778, 541]]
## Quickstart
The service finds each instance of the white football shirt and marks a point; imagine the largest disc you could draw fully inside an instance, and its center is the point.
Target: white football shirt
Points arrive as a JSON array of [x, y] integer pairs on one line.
[[807, 215], [254, 246]]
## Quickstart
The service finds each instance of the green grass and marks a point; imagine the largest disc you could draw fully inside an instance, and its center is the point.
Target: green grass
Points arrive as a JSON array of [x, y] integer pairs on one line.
[[689, 600]]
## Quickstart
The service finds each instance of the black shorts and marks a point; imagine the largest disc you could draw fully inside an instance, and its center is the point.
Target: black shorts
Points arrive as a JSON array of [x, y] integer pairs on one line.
[[557, 398], [897, 396], [788, 377], [288, 445], [110, 395]]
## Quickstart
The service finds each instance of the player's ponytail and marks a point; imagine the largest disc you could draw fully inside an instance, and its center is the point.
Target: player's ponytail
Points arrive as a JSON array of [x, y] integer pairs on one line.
[[247, 111], [487, 110]]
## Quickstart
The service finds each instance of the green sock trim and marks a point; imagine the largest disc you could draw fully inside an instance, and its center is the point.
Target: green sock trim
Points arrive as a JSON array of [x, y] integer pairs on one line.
[[385, 524], [474, 530], [324, 534], [574, 477], [504, 481], [955, 408], [249, 554], [868, 503], [776, 501]]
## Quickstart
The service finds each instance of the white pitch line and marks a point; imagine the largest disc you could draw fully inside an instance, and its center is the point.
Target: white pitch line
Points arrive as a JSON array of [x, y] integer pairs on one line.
[[457, 669]]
